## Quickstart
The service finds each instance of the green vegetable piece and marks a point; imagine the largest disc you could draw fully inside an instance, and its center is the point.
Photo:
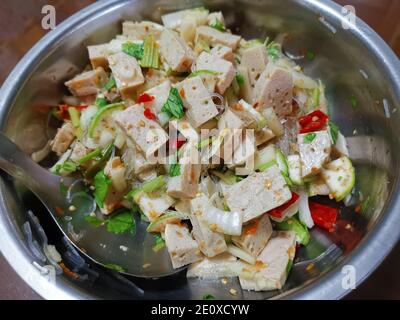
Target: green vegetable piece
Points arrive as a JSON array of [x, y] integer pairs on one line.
[[74, 115], [110, 83], [114, 267], [334, 130], [153, 185], [309, 137], [315, 98], [267, 165], [94, 221], [310, 55], [101, 183], [289, 267], [353, 101], [160, 243], [239, 79], [150, 54], [219, 26], [101, 101], [208, 297], [89, 156], [122, 222], [63, 189], [175, 170], [100, 114], [174, 105], [301, 231], [203, 73], [273, 49], [98, 165], [158, 225], [66, 167], [133, 49]]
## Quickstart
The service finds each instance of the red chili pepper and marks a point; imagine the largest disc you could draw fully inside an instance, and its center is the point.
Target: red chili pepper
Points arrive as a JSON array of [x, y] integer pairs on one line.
[[149, 114], [63, 110], [145, 97], [323, 216], [313, 121], [278, 212]]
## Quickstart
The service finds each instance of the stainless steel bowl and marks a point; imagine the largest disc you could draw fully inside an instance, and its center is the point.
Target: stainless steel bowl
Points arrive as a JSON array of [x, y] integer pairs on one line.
[[353, 62]]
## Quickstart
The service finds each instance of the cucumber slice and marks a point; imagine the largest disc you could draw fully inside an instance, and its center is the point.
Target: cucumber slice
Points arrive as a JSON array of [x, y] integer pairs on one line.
[[292, 224], [283, 166], [265, 155], [100, 114], [340, 177], [294, 165], [159, 224]]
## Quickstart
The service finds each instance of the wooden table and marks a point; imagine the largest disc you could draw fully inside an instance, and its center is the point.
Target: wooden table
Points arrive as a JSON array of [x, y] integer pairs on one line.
[[20, 28]]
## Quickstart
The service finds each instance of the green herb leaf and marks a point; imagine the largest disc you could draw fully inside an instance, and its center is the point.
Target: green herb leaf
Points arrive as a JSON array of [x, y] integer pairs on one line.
[[133, 49], [101, 183], [63, 189], [310, 55], [309, 137], [66, 167], [219, 26], [101, 101], [153, 185], [114, 267], [239, 79], [273, 49], [160, 243], [110, 83], [175, 170], [353, 101], [122, 222], [94, 221], [208, 297], [334, 130], [203, 73], [174, 105], [150, 53]]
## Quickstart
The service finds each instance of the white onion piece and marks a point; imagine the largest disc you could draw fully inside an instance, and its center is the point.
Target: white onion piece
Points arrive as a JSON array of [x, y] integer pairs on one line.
[[241, 254], [304, 210], [227, 222], [174, 19]]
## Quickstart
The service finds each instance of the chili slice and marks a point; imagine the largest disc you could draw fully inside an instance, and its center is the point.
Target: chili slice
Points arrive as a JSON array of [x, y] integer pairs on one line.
[[149, 114], [323, 216], [145, 97], [278, 212], [313, 121]]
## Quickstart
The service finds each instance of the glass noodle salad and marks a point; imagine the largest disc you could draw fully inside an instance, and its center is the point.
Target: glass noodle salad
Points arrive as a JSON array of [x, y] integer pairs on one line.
[[219, 143]]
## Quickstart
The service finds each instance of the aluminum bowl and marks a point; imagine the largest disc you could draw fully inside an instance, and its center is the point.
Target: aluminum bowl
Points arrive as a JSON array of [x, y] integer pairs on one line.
[[354, 62]]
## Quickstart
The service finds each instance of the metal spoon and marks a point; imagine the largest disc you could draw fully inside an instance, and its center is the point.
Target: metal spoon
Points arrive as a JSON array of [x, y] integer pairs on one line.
[[127, 253]]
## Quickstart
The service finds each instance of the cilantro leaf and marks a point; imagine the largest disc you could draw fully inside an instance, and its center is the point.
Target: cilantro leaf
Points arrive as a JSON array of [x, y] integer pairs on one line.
[[353, 101], [122, 222], [174, 105], [133, 49], [94, 221], [309, 137], [63, 189], [110, 84], [208, 297], [273, 49], [101, 101], [334, 130], [219, 26], [101, 183], [175, 170], [239, 79]]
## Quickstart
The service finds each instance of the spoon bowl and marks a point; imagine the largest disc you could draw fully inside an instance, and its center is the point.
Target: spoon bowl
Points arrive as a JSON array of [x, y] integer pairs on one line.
[[127, 253]]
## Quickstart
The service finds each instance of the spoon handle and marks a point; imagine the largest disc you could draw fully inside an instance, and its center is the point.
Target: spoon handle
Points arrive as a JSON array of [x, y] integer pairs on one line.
[[20, 166]]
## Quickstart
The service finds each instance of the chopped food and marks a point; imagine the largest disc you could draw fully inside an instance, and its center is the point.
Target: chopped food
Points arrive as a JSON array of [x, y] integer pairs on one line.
[[215, 142]]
